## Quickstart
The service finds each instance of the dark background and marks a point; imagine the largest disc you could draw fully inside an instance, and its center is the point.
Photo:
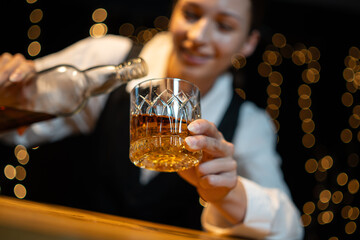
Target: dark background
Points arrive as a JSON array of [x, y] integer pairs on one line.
[[330, 26]]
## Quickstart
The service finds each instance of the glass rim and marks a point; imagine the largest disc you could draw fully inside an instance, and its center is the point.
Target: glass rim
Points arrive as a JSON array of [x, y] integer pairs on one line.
[[163, 78]]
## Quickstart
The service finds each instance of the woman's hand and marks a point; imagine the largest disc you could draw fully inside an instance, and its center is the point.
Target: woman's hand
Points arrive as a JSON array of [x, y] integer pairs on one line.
[[215, 177], [15, 71], [14, 67], [216, 174]]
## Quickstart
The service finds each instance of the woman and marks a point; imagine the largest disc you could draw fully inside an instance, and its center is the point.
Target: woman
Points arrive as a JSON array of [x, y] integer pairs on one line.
[[240, 180]]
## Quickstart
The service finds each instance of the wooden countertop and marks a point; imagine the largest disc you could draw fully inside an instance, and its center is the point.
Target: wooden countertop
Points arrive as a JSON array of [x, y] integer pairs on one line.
[[22, 219]]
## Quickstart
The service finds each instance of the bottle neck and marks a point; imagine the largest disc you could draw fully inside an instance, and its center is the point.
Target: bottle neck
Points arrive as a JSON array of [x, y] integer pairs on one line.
[[104, 79]]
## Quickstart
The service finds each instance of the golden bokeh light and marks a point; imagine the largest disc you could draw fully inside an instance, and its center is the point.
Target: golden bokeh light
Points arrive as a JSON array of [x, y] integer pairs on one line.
[[305, 220], [20, 191], [357, 80], [311, 165], [10, 172], [31, 1], [238, 61], [337, 197], [305, 113], [348, 74], [304, 89], [21, 154], [272, 58], [161, 22], [354, 52], [98, 30], [347, 99], [275, 78], [350, 62], [276, 102], [315, 53], [346, 136], [241, 93], [353, 186], [308, 140], [350, 86], [342, 179], [264, 69], [326, 162], [350, 227], [34, 32], [277, 126], [34, 48], [310, 75], [307, 54], [304, 102], [146, 35], [36, 15], [279, 40], [315, 65], [273, 111], [356, 111], [20, 173], [126, 29], [325, 196], [308, 125], [345, 211], [309, 208], [354, 121], [298, 57], [325, 217], [353, 213], [273, 91], [99, 15]]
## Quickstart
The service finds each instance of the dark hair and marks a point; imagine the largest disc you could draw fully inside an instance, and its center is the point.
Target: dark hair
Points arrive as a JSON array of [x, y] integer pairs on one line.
[[257, 14]]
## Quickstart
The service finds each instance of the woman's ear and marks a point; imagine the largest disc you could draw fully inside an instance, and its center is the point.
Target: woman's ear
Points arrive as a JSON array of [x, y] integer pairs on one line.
[[251, 43]]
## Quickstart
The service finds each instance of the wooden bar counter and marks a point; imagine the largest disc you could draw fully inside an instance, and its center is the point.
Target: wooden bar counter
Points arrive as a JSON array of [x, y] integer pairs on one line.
[[22, 219]]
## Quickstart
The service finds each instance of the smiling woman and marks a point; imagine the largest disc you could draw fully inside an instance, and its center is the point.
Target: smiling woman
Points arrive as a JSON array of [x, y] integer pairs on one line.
[[239, 174], [206, 36]]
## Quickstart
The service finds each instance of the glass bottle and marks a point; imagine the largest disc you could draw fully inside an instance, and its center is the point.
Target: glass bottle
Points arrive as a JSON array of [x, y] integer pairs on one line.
[[61, 91]]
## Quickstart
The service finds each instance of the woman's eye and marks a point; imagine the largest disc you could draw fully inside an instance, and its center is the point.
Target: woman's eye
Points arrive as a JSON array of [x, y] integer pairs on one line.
[[225, 27], [191, 16]]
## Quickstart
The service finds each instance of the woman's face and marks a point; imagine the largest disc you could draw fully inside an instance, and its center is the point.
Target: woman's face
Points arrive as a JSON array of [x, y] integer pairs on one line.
[[207, 33]]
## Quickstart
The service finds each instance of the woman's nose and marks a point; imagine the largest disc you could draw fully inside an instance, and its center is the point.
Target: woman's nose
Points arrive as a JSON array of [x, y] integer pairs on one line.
[[200, 31]]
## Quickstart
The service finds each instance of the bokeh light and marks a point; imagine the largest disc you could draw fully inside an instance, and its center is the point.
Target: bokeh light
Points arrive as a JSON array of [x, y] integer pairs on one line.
[[99, 15]]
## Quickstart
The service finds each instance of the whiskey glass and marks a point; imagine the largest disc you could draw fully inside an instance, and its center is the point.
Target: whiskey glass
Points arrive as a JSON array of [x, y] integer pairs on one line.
[[160, 111]]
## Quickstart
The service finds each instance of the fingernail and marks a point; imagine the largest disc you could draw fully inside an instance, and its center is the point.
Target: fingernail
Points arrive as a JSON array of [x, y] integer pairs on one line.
[[192, 127], [16, 77], [191, 142]]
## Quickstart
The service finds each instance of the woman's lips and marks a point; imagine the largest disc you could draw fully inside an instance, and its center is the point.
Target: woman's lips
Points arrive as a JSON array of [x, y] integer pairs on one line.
[[194, 58]]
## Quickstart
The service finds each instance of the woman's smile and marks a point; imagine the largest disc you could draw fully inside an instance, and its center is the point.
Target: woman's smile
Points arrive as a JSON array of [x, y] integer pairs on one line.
[[193, 57]]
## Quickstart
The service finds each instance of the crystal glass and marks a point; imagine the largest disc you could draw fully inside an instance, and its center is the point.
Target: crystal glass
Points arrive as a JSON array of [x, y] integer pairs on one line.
[[160, 111]]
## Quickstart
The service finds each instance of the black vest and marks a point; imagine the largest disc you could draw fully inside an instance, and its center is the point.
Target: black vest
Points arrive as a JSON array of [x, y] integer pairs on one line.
[[94, 172]]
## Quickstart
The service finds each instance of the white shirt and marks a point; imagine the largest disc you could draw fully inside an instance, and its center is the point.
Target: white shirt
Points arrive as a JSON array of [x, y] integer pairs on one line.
[[270, 214]]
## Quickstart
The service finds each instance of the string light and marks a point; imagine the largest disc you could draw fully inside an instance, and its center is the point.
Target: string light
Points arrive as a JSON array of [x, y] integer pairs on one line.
[[34, 31], [99, 28], [301, 56]]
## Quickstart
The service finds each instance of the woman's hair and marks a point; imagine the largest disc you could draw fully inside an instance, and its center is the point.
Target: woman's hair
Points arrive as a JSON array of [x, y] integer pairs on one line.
[[257, 13]]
